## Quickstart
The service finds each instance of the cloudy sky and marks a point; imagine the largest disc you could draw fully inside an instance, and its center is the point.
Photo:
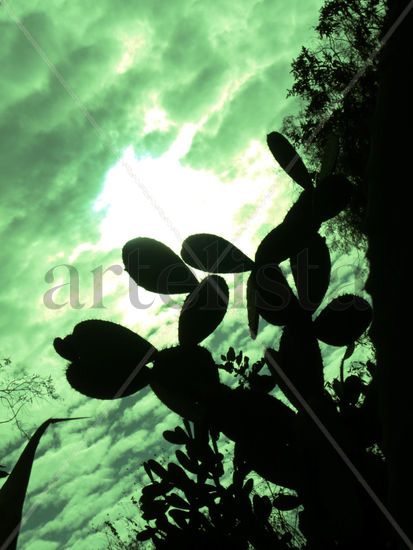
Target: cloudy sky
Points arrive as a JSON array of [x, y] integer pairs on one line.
[[118, 120]]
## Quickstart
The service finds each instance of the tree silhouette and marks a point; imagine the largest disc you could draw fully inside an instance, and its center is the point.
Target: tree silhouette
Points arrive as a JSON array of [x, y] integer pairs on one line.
[[336, 81]]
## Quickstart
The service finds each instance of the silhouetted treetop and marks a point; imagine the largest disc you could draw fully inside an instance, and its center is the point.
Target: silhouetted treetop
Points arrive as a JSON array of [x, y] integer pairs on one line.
[[336, 81]]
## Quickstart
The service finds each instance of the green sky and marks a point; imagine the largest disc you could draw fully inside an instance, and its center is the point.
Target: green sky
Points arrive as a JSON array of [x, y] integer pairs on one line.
[[171, 99]]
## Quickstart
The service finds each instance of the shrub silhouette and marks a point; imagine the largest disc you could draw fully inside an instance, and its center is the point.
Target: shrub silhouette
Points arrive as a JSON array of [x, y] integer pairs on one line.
[[282, 446]]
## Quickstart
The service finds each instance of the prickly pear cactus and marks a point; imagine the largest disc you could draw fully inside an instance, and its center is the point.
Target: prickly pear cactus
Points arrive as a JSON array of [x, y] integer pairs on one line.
[[278, 442]]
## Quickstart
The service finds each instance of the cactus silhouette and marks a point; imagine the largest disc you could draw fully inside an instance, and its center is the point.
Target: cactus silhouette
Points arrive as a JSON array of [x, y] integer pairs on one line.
[[281, 445]]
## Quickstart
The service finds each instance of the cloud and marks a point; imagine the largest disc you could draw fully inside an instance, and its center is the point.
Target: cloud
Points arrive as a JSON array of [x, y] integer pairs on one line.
[[145, 72]]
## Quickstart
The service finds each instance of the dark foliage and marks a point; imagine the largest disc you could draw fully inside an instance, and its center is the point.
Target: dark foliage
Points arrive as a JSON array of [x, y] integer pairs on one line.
[[203, 310], [282, 446], [103, 356], [336, 81], [214, 254], [190, 503]]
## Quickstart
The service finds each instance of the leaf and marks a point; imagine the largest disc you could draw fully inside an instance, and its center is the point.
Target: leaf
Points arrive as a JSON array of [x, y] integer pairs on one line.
[[249, 485], [262, 383], [177, 502], [146, 534], [203, 310], [239, 414], [278, 245], [253, 315], [329, 159], [179, 517], [157, 468], [107, 360], [286, 502], [288, 238], [153, 509], [155, 267], [13, 492], [301, 215], [249, 418], [311, 269], [176, 436], [148, 471], [214, 254], [262, 506], [179, 477], [352, 389], [331, 197], [154, 490], [274, 300], [161, 524], [188, 464], [299, 358], [343, 321], [288, 158], [231, 354], [3, 474], [187, 427], [184, 379]]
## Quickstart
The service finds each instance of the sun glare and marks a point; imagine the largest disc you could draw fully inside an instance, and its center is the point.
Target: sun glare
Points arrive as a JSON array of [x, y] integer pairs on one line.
[[162, 199], [165, 200]]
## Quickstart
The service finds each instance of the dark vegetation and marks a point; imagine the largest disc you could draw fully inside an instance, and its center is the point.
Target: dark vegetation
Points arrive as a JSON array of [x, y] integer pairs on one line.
[[279, 412], [18, 392], [336, 82], [186, 505], [277, 442]]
